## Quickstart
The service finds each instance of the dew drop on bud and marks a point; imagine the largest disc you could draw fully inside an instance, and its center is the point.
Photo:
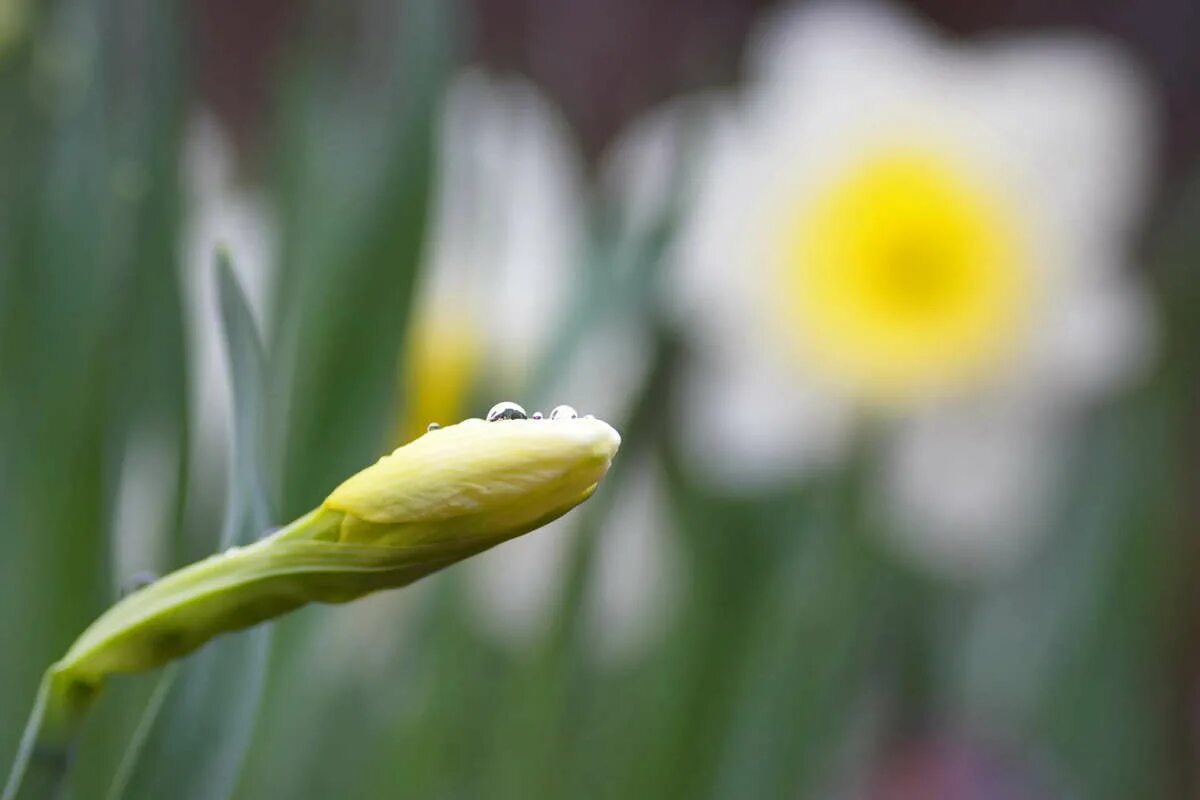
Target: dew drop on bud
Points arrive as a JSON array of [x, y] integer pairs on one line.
[[563, 412], [536, 415], [433, 426], [506, 410], [139, 580]]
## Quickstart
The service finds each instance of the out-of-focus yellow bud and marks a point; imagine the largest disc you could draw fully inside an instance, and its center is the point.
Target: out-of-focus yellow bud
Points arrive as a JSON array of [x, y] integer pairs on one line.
[[445, 496]]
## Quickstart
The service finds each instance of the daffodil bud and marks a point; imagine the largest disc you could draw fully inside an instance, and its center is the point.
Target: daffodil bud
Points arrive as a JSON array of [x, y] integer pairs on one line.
[[449, 494], [476, 482]]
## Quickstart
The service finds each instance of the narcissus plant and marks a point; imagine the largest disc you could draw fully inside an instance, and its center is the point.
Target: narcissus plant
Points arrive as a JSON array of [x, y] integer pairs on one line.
[[449, 494]]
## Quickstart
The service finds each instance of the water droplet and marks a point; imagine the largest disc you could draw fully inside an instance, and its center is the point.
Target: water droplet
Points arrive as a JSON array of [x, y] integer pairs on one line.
[[563, 412], [139, 580], [506, 410], [433, 426], [536, 415]]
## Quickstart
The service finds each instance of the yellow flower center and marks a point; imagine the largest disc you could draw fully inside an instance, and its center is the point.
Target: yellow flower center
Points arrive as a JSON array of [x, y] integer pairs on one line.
[[903, 278]]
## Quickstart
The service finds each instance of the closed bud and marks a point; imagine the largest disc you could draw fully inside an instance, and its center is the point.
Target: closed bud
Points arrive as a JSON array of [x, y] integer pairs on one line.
[[476, 482], [449, 494]]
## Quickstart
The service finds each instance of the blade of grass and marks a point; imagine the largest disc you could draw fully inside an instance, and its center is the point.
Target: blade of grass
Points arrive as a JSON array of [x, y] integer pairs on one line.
[[141, 733], [359, 128], [817, 623], [32, 776], [196, 746]]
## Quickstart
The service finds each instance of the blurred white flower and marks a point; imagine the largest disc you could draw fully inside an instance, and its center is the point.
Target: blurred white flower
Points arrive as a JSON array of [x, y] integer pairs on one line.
[[636, 586], [505, 244], [888, 223], [647, 169], [503, 273], [142, 513], [218, 211]]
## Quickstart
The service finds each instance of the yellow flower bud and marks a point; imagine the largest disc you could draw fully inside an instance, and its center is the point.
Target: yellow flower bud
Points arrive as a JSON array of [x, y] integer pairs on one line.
[[449, 494], [475, 481]]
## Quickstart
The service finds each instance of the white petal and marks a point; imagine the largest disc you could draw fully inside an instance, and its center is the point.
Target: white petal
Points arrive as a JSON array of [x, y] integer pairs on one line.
[[514, 587], [604, 374], [746, 424], [856, 43], [966, 486], [751, 414], [456, 242], [542, 241], [637, 581], [652, 165], [1097, 338], [507, 233], [220, 211], [836, 79], [1069, 121], [1061, 126], [717, 242], [143, 518], [364, 647]]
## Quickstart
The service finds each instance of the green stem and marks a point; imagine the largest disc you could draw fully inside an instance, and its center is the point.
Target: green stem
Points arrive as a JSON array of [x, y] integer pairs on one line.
[[67, 692], [45, 749], [199, 594]]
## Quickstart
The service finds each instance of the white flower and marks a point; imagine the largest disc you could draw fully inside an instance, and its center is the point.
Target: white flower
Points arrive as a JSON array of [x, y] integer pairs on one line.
[[637, 583], [887, 223], [506, 238]]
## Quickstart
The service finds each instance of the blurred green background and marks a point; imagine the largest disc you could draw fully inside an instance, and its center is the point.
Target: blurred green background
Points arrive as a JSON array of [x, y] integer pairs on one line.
[[433, 206]]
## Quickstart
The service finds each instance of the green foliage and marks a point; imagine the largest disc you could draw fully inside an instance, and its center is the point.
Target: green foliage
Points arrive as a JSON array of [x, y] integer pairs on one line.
[[801, 651], [90, 327]]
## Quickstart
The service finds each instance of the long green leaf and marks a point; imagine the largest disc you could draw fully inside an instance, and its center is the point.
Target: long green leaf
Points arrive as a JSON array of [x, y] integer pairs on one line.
[[196, 747], [90, 334], [354, 173]]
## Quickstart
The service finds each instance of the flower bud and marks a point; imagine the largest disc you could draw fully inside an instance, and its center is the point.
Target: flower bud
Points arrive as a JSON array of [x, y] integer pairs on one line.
[[477, 481], [449, 494]]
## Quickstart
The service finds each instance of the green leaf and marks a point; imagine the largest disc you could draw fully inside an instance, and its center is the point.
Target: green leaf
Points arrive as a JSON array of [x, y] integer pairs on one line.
[[355, 156], [90, 331], [355, 180], [206, 713], [1095, 680], [250, 508]]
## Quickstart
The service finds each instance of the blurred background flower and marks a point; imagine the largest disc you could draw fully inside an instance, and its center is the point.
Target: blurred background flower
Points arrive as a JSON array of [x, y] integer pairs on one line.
[[889, 225], [508, 226], [893, 305]]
